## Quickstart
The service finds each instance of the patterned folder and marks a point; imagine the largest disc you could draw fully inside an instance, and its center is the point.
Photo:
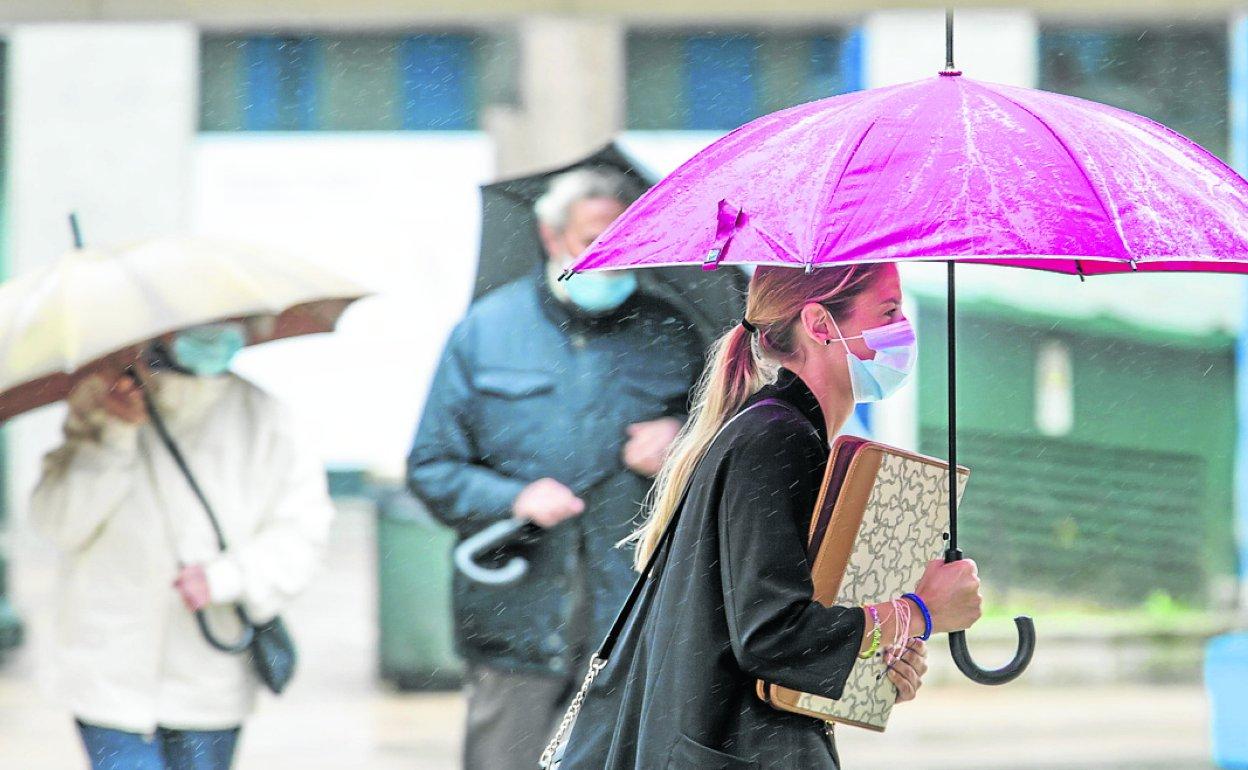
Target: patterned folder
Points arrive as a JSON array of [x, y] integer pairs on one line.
[[881, 516]]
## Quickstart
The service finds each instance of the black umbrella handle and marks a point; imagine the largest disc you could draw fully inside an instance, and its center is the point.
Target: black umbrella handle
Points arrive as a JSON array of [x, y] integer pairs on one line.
[[233, 648], [1010, 671]]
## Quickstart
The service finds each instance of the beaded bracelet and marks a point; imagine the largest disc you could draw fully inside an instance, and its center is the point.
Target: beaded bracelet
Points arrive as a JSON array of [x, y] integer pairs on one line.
[[927, 615], [876, 633]]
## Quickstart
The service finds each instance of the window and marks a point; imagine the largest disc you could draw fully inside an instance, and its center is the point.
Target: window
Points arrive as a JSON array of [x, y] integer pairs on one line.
[[717, 81], [1055, 403], [340, 83], [1176, 75]]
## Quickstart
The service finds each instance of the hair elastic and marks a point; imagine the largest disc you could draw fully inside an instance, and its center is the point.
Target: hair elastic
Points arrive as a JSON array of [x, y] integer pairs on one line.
[[749, 327]]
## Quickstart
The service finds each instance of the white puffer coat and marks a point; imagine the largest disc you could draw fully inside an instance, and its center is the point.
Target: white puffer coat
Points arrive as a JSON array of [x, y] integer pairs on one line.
[[128, 653]]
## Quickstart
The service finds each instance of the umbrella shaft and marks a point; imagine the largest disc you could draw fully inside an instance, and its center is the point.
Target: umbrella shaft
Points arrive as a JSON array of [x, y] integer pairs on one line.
[[952, 401], [949, 39]]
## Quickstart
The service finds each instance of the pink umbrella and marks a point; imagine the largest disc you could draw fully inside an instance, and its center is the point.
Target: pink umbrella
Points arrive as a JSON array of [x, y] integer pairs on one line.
[[952, 170], [943, 168]]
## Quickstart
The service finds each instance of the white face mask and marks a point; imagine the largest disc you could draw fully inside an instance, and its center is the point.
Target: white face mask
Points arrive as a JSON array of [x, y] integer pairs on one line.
[[896, 351]]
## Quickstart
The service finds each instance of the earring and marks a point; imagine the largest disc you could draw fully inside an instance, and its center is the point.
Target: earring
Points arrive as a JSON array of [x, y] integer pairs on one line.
[[827, 342]]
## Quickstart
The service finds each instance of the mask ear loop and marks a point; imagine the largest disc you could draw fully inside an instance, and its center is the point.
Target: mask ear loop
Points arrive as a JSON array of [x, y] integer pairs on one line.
[[840, 335]]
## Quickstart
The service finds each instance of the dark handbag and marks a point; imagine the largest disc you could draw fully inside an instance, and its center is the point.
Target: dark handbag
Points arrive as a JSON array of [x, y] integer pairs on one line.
[[269, 644]]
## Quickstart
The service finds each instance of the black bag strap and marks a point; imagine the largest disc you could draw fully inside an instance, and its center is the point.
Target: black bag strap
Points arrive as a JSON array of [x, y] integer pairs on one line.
[[179, 459], [166, 438], [617, 628]]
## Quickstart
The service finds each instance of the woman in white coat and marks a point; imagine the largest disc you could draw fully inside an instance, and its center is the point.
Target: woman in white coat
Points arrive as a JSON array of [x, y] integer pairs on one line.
[[147, 691]]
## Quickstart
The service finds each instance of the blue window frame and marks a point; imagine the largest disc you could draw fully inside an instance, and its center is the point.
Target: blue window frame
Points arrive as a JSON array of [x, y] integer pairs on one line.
[[436, 82], [344, 82], [719, 80]]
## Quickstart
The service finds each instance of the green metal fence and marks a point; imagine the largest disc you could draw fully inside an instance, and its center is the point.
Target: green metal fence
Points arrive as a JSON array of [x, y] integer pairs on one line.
[[1135, 497]]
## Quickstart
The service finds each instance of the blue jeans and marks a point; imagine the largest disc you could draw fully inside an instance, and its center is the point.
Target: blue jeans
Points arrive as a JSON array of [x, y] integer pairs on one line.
[[168, 750]]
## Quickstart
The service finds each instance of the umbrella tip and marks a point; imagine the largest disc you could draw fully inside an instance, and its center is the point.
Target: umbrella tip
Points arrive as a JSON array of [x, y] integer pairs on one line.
[[74, 231]]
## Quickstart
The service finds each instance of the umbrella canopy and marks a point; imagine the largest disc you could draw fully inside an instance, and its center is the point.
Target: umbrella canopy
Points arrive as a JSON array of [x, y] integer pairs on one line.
[[943, 168], [90, 308], [510, 246]]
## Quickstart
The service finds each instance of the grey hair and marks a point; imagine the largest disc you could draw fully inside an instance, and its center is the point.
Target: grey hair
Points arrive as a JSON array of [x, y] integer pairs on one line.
[[581, 184]]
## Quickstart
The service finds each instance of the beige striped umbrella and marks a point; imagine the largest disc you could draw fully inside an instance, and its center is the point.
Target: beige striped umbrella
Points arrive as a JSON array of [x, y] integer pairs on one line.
[[93, 309]]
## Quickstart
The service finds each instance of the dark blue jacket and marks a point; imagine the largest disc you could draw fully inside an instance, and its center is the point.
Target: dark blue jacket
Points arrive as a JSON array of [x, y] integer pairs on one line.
[[527, 389]]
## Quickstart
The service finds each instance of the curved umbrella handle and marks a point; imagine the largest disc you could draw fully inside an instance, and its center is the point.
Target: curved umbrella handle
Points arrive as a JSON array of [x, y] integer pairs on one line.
[[233, 648], [1010, 671], [486, 540]]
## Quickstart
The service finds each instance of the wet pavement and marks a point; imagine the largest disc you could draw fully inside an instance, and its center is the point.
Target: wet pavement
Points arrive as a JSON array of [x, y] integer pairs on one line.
[[337, 716]]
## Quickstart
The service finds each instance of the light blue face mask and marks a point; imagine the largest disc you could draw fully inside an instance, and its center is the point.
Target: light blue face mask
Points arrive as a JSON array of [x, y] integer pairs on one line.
[[602, 292], [208, 350], [895, 353]]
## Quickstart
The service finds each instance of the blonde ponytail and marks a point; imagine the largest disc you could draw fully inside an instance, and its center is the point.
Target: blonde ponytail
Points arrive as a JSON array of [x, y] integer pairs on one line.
[[732, 375], [740, 364]]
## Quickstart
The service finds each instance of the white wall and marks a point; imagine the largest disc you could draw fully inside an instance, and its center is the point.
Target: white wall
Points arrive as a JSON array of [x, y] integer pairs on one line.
[[997, 45], [398, 212], [101, 117]]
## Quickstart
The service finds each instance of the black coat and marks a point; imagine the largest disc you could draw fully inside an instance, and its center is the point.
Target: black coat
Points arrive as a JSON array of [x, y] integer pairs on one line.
[[525, 390], [731, 603]]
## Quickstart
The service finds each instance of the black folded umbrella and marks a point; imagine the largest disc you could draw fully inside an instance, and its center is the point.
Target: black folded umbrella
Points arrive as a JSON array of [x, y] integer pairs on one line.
[[510, 247]]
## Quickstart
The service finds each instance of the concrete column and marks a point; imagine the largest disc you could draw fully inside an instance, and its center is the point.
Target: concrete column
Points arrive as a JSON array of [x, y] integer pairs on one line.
[[101, 121], [997, 45], [572, 93]]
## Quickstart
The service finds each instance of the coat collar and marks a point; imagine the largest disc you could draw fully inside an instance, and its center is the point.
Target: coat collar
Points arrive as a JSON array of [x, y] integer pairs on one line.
[[789, 388]]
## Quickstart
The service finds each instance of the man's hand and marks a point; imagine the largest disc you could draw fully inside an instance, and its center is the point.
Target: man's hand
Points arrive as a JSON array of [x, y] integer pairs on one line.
[[647, 445], [546, 502], [192, 584], [117, 396]]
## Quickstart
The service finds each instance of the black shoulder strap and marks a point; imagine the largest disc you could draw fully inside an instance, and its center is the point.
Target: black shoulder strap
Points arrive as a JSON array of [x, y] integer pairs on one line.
[[166, 438], [608, 643]]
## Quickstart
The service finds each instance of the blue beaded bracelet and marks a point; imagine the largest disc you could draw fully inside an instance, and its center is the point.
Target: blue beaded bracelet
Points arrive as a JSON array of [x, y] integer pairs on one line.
[[927, 616]]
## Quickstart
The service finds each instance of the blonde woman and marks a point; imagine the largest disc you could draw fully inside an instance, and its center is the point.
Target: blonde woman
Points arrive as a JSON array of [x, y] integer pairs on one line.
[[731, 599]]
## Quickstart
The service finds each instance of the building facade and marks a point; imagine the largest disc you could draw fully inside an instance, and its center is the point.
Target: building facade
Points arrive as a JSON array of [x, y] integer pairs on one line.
[[358, 131]]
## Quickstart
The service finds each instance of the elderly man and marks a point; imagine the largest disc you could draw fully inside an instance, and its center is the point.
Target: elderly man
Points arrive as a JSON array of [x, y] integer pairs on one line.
[[554, 402]]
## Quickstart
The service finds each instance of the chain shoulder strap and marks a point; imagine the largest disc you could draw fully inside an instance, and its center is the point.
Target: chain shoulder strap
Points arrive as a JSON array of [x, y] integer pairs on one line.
[[596, 664]]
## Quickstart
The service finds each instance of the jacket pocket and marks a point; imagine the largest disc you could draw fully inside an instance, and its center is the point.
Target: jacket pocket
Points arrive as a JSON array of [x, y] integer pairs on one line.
[[516, 418], [512, 383], [688, 754]]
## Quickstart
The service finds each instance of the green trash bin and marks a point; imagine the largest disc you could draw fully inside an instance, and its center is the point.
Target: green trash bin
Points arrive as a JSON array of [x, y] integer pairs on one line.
[[415, 640]]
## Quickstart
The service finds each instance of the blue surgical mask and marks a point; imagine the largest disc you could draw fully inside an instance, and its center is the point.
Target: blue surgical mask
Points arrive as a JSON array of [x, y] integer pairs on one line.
[[896, 351], [601, 292], [208, 350]]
